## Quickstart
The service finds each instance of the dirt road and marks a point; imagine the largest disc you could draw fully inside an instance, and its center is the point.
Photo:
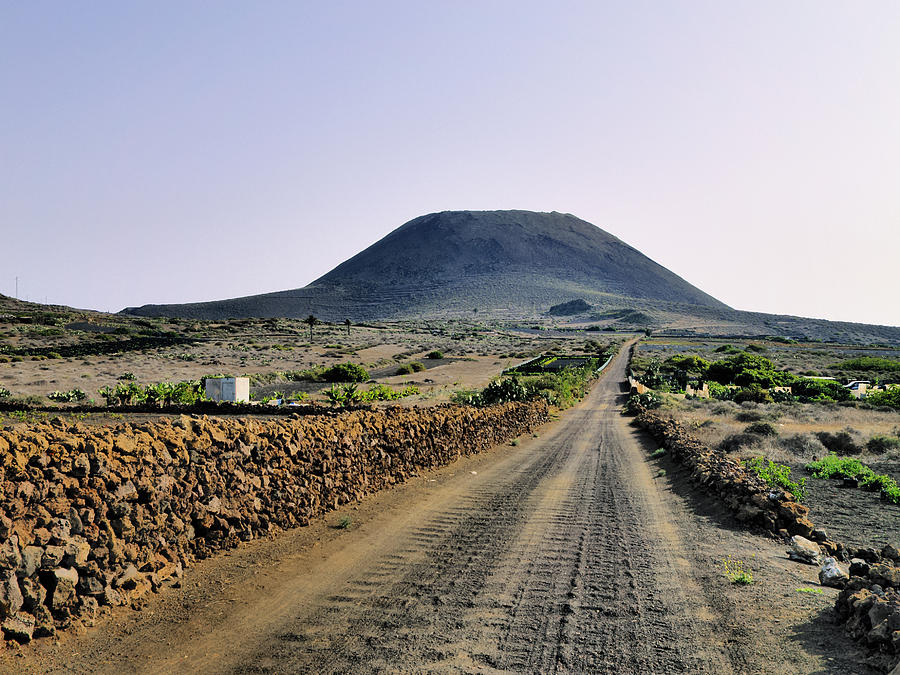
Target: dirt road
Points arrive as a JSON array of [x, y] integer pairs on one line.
[[568, 553]]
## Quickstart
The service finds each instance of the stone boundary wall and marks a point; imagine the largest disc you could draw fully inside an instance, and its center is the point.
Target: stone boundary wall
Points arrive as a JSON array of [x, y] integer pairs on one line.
[[742, 491], [869, 603], [95, 516]]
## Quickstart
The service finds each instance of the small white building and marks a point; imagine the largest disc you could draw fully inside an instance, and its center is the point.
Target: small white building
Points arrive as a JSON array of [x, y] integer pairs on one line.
[[858, 388], [231, 389]]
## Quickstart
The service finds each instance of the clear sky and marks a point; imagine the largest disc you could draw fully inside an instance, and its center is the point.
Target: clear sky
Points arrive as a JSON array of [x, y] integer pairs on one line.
[[184, 151]]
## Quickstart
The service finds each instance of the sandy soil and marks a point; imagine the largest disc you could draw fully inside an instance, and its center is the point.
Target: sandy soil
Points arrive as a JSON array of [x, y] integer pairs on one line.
[[571, 552], [473, 358]]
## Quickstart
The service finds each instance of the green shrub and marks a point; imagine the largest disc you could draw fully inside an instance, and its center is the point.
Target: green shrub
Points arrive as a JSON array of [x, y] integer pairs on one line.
[[812, 391], [639, 402], [748, 370], [754, 393], [777, 475], [405, 369], [762, 429], [4, 392], [562, 389], [465, 397], [345, 372], [880, 444], [840, 442], [687, 362], [833, 466], [506, 390], [434, 355], [417, 366], [342, 396], [187, 392], [381, 392], [67, 396], [889, 398], [737, 442], [869, 363], [498, 391], [780, 396], [719, 391]]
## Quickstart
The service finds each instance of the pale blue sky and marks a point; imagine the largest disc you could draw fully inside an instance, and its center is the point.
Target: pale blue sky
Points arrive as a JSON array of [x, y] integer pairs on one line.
[[751, 147]]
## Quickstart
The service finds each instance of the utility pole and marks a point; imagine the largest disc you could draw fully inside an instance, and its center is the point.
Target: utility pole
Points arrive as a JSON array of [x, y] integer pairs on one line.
[[17, 288]]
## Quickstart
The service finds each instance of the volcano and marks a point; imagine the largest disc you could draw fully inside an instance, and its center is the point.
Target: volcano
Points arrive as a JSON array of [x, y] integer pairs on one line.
[[455, 263]]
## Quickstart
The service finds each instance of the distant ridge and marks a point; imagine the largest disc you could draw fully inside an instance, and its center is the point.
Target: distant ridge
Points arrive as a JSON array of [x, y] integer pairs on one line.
[[515, 265]]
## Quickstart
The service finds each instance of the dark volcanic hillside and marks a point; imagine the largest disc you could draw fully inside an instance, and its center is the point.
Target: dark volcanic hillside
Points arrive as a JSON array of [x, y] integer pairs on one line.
[[496, 262]]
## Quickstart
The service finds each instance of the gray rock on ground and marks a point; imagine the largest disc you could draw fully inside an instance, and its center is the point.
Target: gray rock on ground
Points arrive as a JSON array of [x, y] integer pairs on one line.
[[805, 551], [833, 574], [858, 567]]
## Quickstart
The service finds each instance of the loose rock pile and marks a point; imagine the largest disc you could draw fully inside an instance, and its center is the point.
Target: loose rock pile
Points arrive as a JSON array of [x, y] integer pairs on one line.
[[100, 516], [745, 493], [870, 599], [870, 603]]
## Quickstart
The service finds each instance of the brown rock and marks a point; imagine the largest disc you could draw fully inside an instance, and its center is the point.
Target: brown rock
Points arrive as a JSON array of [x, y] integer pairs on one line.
[[64, 591], [31, 560], [41, 536], [801, 526], [885, 575], [61, 529], [43, 622], [11, 599], [10, 555], [19, 627], [33, 594], [53, 557]]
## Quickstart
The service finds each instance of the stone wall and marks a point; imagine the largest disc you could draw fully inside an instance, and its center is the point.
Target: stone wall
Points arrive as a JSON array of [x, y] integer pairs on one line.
[[869, 604], [742, 491], [101, 515], [870, 600]]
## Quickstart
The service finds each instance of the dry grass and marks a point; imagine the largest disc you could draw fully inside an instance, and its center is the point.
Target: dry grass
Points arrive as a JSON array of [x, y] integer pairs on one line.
[[714, 421], [474, 353]]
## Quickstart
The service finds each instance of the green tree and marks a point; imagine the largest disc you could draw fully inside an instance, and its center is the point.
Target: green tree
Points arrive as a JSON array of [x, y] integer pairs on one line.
[[311, 321]]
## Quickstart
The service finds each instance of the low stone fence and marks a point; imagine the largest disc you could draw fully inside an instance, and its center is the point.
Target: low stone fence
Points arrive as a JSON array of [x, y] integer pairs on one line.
[[870, 600], [93, 516], [741, 490]]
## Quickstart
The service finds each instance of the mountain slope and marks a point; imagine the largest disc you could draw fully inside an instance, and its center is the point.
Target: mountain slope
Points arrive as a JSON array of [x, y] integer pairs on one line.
[[454, 262]]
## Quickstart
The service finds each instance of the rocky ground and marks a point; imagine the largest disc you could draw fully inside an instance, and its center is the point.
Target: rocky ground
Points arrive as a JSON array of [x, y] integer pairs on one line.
[[262, 349]]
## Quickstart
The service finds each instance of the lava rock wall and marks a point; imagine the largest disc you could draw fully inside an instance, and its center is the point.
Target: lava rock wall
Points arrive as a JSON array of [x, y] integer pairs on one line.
[[869, 603], [746, 494], [94, 516]]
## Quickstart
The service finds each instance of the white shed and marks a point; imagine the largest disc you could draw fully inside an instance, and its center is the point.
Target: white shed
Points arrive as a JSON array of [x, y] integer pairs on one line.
[[232, 389]]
